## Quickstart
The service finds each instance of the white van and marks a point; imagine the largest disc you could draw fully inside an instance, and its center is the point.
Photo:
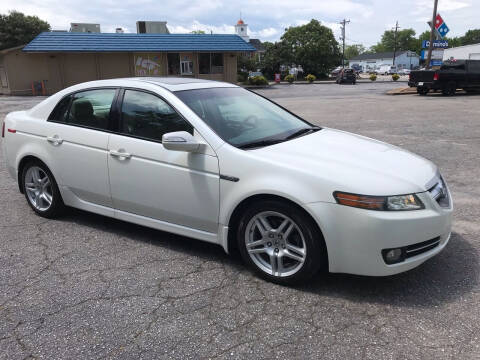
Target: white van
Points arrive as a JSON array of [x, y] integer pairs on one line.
[[386, 70]]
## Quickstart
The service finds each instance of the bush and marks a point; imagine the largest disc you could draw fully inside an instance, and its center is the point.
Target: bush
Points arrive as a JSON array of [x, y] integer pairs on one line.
[[290, 78], [395, 77], [310, 78], [242, 76], [373, 77], [257, 80]]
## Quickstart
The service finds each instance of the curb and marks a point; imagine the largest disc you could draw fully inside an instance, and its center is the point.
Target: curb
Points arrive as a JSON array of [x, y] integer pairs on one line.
[[402, 91]]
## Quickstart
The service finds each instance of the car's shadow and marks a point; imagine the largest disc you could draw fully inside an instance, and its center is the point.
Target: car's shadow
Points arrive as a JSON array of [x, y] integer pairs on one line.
[[444, 278]]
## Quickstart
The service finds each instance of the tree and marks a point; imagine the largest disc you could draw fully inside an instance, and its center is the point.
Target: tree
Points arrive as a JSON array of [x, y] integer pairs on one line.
[[352, 51], [17, 29], [197, 32], [471, 37], [313, 46], [406, 40], [276, 54], [246, 63]]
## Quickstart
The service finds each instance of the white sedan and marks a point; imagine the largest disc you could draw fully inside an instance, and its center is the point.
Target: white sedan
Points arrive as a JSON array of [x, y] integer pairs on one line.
[[218, 163]]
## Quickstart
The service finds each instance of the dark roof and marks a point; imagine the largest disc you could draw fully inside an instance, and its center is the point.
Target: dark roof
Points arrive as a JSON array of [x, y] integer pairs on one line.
[[375, 56], [113, 42], [257, 44]]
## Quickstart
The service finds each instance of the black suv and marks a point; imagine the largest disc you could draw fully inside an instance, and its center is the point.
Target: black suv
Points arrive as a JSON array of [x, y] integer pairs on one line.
[[346, 76]]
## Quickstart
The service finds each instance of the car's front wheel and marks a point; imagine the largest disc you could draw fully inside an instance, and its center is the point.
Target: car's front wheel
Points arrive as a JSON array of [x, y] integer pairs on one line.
[[41, 190], [280, 242]]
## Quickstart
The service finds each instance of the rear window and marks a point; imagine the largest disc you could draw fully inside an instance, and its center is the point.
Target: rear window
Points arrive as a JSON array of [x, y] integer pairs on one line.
[[453, 67]]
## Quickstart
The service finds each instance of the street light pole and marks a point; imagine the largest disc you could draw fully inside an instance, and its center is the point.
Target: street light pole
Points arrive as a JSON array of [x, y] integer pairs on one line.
[[395, 43], [432, 29], [344, 22]]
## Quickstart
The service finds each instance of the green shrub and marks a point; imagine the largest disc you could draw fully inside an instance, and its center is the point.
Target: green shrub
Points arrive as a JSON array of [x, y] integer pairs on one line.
[[290, 78], [373, 77], [257, 80], [242, 76], [395, 77], [310, 78]]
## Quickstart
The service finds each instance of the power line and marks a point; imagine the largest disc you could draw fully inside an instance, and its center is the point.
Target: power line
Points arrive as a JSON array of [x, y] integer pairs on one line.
[[344, 22]]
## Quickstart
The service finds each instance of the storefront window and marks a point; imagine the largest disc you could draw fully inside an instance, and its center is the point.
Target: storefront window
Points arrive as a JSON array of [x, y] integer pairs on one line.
[[173, 60], [210, 63]]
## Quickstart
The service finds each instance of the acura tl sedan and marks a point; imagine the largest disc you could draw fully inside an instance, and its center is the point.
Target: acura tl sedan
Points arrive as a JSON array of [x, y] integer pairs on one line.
[[215, 162]]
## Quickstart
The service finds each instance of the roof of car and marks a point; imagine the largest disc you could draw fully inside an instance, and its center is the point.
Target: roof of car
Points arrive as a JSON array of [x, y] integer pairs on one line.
[[169, 83]]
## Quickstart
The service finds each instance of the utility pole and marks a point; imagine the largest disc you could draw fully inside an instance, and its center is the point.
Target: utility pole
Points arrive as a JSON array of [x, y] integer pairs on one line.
[[395, 42], [432, 30], [343, 23]]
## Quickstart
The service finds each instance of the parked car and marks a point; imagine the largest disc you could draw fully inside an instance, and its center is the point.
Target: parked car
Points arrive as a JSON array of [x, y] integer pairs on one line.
[[404, 72], [346, 76], [334, 72], [452, 75], [219, 163]]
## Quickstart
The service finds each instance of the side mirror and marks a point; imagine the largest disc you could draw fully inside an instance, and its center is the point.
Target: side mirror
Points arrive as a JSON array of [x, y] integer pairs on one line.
[[180, 141]]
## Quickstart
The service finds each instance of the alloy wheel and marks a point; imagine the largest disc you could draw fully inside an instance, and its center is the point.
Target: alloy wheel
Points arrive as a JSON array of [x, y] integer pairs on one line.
[[38, 188], [275, 244]]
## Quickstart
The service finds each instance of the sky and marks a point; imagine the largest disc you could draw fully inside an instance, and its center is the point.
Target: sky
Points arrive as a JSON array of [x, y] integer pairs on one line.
[[266, 19]]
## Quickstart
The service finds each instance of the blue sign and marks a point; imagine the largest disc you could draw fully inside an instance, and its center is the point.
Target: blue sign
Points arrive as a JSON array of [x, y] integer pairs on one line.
[[437, 44], [443, 30], [436, 63]]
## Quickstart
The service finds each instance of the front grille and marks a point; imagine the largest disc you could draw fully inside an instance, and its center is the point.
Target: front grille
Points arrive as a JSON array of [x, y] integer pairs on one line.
[[420, 248], [440, 193]]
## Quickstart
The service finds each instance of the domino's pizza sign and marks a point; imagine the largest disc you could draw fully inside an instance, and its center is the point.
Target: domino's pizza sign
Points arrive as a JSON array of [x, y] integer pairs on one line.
[[441, 26]]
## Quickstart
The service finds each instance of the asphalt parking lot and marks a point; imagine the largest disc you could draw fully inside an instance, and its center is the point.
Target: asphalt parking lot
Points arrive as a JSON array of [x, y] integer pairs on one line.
[[86, 286]]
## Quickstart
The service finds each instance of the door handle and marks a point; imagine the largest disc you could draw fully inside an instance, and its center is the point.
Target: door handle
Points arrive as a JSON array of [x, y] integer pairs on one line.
[[55, 140], [120, 154]]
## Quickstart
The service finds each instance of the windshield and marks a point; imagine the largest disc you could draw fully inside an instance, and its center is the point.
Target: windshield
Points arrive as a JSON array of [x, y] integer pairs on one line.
[[243, 118]]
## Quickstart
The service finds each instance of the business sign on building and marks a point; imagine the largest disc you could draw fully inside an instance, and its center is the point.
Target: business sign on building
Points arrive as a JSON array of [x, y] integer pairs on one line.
[[441, 26], [437, 44]]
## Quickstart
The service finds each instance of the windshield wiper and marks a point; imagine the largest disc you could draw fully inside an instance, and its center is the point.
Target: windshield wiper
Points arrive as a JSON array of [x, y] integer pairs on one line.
[[302, 132], [260, 143]]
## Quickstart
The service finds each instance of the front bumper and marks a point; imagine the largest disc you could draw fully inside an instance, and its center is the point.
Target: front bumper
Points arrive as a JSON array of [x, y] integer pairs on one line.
[[356, 237]]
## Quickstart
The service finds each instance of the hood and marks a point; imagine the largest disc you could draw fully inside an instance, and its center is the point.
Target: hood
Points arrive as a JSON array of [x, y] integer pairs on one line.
[[353, 163]]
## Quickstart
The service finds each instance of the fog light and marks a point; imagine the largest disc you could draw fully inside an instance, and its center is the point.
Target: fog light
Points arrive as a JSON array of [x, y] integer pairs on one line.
[[392, 256]]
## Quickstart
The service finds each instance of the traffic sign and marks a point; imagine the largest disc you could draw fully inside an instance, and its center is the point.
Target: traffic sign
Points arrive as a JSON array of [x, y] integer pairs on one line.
[[436, 63], [437, 44]]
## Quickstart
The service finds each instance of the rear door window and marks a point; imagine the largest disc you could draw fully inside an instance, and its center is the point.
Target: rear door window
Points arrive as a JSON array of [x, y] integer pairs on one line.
[[91, 108], [60, 112]]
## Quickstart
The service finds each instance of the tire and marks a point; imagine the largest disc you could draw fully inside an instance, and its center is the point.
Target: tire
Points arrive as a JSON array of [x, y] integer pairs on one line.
[[286, 260], [41, 190], [422, 91], [450, 89]]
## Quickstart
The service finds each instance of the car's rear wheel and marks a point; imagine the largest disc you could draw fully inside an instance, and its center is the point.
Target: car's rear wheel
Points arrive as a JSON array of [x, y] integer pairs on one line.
[[281, 243], [41, 190]]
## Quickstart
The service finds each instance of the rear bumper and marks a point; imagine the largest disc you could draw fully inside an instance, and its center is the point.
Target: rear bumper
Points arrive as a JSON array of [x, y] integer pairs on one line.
[[356, 237]]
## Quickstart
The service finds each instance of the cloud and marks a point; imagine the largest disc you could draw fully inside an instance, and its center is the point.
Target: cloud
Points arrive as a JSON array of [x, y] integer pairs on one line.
[[267, 19]]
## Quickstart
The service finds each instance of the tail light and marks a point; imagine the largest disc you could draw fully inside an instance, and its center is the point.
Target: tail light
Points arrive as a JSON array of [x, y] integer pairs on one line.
[[3, 129], [436, 77], [410, 77]]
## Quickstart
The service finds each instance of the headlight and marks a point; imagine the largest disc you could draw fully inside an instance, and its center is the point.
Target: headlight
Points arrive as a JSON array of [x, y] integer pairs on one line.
[[382, 203]]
